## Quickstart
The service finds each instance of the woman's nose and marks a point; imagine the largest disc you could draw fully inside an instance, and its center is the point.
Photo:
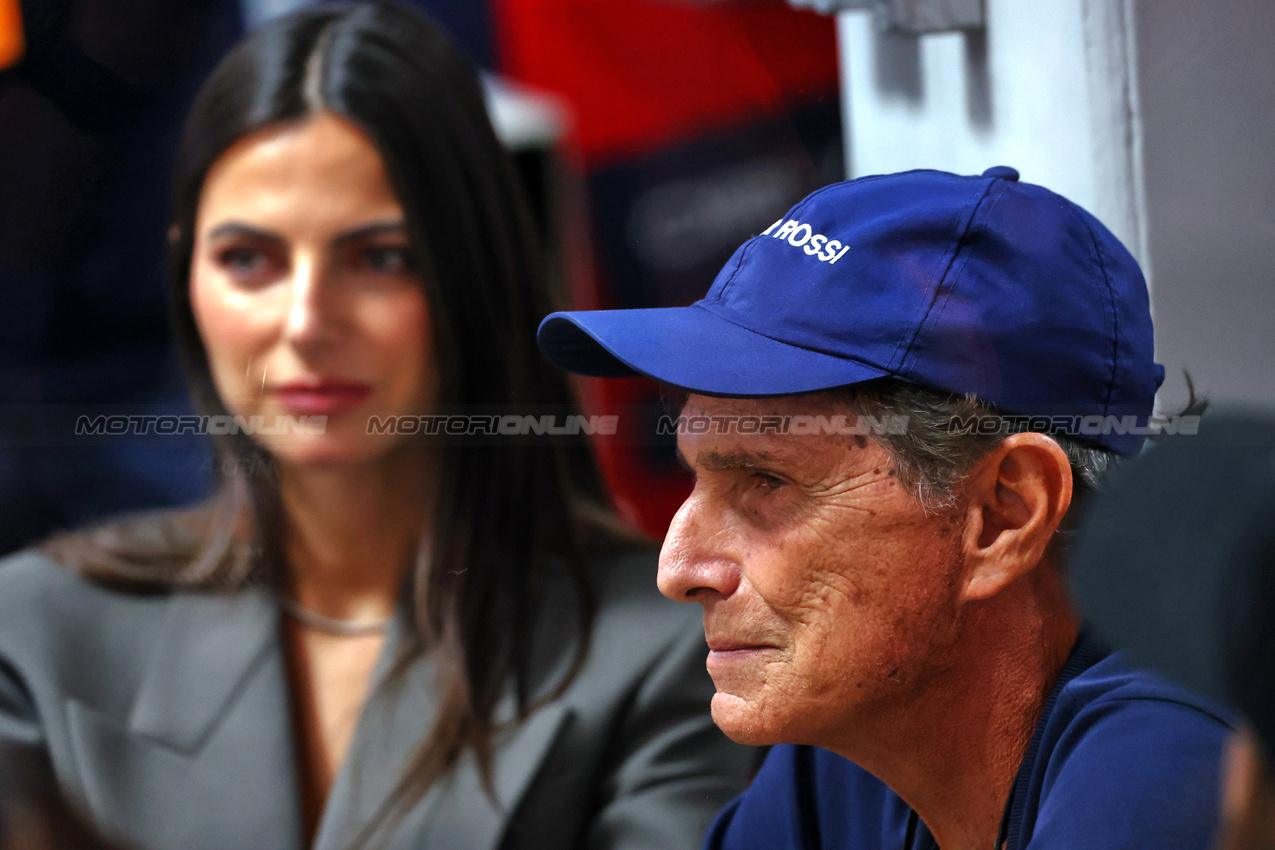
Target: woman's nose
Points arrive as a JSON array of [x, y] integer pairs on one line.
[[312, 312]]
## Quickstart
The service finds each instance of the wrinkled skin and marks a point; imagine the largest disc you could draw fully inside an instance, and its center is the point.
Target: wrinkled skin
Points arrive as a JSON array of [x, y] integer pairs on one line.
[[828, 593]]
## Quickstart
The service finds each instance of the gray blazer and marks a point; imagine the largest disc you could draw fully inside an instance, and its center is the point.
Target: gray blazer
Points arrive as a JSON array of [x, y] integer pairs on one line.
[[166, 717]]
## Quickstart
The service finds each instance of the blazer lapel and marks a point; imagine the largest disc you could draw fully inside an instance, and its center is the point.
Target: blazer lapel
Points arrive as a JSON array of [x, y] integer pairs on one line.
[[206, 757], [455, 814], [210, 646], [466, 816]]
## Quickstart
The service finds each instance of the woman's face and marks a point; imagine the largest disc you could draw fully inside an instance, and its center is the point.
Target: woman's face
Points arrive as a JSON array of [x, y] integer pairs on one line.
[[302, 289]]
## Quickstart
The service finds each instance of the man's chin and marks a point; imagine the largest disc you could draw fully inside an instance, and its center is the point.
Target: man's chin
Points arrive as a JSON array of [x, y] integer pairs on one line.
[[743, 721]]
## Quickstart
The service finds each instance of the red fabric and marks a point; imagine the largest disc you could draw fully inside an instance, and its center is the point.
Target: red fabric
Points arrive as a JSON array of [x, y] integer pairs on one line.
[[648, 75], [644, 74], [644, 496]]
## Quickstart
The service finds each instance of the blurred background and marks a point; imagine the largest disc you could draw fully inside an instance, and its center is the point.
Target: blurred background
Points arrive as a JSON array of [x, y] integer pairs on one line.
[[653, 136]]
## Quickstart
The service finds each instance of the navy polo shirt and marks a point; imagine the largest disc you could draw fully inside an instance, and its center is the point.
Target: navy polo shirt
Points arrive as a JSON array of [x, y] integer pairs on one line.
[[1119, 759]]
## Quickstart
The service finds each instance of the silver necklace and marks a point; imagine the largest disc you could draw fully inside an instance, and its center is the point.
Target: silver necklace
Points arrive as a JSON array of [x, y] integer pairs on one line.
[[331, 625]]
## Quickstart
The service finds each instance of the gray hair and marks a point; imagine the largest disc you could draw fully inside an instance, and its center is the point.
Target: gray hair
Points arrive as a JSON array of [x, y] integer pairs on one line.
[[939, 446]]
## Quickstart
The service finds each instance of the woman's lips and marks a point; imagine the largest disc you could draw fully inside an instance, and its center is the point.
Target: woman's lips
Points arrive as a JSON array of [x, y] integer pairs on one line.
[[321, 398]]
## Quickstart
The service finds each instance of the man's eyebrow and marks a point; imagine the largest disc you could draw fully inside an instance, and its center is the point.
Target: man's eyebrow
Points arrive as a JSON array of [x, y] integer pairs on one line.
[[725, 461]]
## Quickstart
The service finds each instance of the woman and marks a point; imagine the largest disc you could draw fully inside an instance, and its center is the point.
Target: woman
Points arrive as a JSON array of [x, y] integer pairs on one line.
[[367, 639]]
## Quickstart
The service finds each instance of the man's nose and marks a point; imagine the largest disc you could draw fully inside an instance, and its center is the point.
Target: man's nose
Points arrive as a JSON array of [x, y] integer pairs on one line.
[[695, 562]]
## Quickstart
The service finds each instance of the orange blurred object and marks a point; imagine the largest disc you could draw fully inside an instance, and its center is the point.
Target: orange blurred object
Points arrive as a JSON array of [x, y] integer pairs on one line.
[[12, 44]]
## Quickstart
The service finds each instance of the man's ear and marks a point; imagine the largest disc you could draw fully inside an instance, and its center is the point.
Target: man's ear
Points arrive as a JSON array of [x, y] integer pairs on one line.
[[1016, 497]]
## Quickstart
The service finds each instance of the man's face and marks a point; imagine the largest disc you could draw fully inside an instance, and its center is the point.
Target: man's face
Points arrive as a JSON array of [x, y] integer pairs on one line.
[[829, 595]]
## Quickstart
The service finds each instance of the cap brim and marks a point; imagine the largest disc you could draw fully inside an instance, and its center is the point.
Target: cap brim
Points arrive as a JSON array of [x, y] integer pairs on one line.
[[692, 348], [1154, 569]]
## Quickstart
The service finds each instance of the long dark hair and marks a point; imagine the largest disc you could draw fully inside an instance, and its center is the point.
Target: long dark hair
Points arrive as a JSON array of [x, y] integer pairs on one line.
[[503, 514]]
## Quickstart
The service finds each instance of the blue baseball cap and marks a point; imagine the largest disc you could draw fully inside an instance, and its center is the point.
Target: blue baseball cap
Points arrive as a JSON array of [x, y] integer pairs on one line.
[[972, 285]]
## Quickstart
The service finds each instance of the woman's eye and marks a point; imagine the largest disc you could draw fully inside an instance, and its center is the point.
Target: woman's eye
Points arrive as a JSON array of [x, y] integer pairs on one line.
[[242, 263], [384, 260]]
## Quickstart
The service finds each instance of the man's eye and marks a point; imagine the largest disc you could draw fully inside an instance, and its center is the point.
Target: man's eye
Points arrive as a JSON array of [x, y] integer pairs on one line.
[[767, 482]]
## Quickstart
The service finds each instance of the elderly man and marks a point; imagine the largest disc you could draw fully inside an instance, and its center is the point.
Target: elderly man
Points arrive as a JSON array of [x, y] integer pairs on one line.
[[886, 602]]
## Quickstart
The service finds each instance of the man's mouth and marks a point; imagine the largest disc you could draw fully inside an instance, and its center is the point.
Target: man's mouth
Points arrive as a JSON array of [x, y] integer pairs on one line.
[[723, 644]]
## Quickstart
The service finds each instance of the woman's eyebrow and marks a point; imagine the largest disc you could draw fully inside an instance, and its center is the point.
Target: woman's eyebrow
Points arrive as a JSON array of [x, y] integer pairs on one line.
[[239, 229], [377, 228], [232, 229]]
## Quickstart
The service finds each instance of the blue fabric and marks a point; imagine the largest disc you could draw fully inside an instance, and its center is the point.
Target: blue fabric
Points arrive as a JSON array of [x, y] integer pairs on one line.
[[979, 285], [1120, 760]]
